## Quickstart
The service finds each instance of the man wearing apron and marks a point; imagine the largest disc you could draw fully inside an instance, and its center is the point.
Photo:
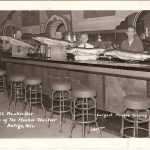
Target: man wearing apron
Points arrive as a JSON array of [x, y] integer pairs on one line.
[[58, 52]]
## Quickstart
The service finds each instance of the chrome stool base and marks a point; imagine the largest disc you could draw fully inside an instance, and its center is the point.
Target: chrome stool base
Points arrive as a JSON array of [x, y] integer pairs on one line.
[[135, 112], [136, 121], [33, 95], [17, 93], [3, 81], [61, 101], [84, 110]]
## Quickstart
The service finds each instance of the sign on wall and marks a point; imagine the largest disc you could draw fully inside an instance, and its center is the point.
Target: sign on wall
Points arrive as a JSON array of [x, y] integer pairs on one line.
[[30, 18], [57, 12], [94, 14]]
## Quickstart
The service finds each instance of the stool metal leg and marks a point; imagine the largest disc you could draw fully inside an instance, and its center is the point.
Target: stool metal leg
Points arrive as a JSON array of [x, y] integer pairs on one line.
[[88, 128], [63, 100], [87, 114], [63, 107], [83, 124], [30, 101], [73, 117], [72, 127], [49, 122], [25, 100], [71, 104], [35, 88], [5, 87], [15, 90], [3, 83], [97, 126], [137, 124], [52, 108], [60, 119], [122, 128], [31, 97], [16, 93], [99, 129], [41, 99], [134, 126], [148, 122], [11, 88]]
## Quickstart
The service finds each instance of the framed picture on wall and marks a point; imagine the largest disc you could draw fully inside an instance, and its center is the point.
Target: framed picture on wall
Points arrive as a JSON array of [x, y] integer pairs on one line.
[[95, 14], [30, 18]]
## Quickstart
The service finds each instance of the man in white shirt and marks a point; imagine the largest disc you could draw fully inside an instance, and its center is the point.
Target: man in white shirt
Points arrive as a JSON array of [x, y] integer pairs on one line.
[[8, 46], [58, 35], [84, 42], [15, 50]]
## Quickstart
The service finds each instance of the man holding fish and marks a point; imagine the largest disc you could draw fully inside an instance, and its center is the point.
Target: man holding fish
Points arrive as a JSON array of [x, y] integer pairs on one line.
[[85, 51], [7, 46], [84, 42], [58, 51], [131, 49], [15, 45], [132, 44]]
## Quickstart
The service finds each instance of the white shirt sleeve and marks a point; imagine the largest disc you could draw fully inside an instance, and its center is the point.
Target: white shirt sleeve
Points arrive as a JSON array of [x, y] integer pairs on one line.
[[87, 45]]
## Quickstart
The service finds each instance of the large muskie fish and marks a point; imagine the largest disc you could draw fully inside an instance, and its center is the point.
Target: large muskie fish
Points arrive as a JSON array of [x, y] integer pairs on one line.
[[88, 57], [49, 41], [86, 51], [16, 42], [127, 55]]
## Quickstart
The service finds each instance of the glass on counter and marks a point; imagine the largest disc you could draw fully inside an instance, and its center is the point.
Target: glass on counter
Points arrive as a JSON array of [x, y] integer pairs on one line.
[[45, 50]]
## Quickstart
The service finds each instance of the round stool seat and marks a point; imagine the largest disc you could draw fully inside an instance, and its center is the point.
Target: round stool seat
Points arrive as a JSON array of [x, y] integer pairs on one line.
[[2, 72], [61, 86], [32, 81], [84, 93], [17, 78], [136, 102]]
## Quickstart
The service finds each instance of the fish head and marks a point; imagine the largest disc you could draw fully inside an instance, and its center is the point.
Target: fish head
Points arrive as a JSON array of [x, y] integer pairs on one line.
[[3, 38]]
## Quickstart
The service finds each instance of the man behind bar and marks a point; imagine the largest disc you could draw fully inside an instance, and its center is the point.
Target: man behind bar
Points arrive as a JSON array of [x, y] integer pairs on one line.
[[132, 44], [84, 42]]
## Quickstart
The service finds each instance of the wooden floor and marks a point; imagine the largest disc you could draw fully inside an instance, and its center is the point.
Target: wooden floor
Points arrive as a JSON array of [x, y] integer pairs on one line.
[[16, 126]]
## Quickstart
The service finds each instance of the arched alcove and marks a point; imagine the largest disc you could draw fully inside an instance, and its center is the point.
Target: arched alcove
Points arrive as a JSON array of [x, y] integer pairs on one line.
[[57, 23]]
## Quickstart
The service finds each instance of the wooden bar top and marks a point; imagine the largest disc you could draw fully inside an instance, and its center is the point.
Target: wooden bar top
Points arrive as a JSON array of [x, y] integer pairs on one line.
[[113, 68]]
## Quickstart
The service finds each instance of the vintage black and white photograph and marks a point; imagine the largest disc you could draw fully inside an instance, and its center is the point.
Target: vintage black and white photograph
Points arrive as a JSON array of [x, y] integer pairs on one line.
[[74, 74]]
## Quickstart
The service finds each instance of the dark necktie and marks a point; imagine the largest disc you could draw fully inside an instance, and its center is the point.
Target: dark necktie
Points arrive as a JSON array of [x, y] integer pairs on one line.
[[84, 45]]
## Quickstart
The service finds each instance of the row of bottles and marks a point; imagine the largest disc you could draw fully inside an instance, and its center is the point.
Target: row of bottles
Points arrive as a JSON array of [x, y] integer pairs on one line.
[[45, 50]]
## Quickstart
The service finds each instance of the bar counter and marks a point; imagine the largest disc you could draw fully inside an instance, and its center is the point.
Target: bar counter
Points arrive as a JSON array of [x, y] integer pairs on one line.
[[111, 79], [128, 69]]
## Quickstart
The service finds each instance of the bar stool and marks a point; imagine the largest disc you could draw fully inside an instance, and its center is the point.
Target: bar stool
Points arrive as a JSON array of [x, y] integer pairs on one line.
[[60, 100], [3, 81], [84, 110], [33, 93], [137, 105], [16, 89]]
